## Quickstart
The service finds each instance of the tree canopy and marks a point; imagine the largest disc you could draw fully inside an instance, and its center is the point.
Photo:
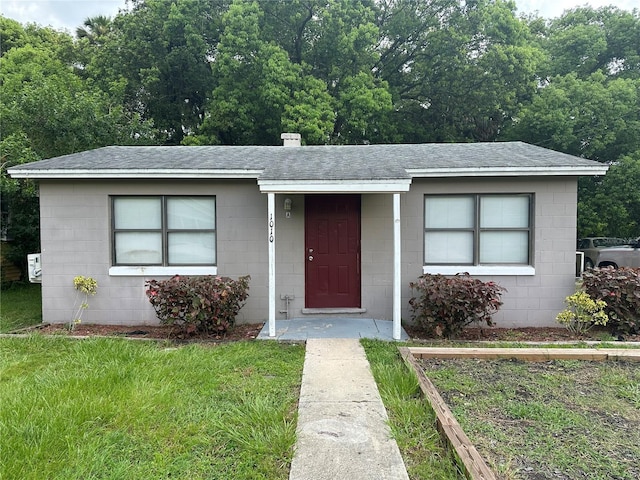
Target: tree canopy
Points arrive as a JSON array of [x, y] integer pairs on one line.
[[235, 72]]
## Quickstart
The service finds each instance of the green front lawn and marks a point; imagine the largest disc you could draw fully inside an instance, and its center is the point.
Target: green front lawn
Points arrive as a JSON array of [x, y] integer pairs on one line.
[[412, 421], [20, 306], [113, 409]]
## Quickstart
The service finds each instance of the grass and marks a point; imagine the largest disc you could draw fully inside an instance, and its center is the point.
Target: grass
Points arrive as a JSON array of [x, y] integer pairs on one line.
[[107, 408], [411, 419], [575, 419], [112, 409], [20, 306]]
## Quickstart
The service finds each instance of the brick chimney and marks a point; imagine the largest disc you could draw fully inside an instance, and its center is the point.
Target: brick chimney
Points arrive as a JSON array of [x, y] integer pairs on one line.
[[290, 139]]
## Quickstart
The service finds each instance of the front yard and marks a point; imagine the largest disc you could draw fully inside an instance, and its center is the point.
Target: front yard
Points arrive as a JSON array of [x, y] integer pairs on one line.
[[116, 408], [113, 409]]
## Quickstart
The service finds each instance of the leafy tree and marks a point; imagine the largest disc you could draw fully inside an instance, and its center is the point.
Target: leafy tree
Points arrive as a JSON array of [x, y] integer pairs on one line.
[[594, 118], [310, 112], [586, 40], [459, 72], [47, 110], [336, 44], [362, 101], [343, 53], [19, 201], [610, 205], [588, 106], [260, 92], [156, 61], [576, 47], [14, 35], [73, 118]]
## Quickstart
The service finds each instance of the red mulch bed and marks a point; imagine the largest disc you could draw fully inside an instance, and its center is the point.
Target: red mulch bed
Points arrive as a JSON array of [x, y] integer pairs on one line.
[[163, 332], [527, 334], [251, 331]]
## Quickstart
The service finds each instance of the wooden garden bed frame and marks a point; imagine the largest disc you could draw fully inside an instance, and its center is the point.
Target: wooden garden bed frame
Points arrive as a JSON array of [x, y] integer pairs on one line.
[[475, 468]]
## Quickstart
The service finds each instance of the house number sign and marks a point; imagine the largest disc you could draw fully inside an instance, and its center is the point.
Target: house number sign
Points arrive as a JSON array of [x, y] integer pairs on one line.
[[271, 228]]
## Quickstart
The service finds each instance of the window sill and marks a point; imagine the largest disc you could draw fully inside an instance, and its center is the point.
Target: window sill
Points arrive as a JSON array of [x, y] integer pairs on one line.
[[519, 270], [161, 271]]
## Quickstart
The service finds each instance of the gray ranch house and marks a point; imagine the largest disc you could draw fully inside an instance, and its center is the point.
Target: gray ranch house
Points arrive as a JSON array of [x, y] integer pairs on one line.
[[323, 230]]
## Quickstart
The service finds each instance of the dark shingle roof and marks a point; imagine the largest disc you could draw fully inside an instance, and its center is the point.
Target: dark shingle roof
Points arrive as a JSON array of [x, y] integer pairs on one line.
[[362, 163]]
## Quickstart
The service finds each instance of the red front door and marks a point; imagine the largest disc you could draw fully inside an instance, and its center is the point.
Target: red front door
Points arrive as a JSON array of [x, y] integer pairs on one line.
[[332, 248]]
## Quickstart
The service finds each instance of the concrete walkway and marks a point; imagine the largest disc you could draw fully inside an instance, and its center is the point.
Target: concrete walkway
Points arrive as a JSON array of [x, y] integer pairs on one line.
[[342, 423]]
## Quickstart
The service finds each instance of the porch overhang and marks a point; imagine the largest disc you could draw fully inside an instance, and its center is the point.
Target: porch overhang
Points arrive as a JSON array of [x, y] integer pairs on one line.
[[392, 188], [335, 186]]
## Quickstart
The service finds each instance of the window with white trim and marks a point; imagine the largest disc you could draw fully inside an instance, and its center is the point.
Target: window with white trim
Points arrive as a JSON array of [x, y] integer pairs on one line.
[[163, 230], [478, 229]]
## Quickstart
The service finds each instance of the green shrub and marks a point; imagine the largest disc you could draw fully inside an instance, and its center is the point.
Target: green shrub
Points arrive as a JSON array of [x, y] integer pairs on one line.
[[84, 286], [620, 290], [582, 313], [202, 304], [445, 305]]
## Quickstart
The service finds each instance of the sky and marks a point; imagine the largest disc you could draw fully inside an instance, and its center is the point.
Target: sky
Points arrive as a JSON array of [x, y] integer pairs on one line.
[[70, 14]]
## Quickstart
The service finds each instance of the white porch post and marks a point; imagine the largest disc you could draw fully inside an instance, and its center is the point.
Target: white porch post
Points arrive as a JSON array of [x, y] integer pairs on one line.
[[397, 278], [271, 226]]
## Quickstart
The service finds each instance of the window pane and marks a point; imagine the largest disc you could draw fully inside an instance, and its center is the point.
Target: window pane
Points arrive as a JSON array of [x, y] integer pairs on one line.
[[137, 213], [138, 248], [191, 213], [192, 248], [504, 247], [448, 247], [449, 212], [504, 212]]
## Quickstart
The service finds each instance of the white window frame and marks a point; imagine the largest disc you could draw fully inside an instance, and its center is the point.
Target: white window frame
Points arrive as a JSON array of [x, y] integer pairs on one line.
[[164, 268], [475, 267]]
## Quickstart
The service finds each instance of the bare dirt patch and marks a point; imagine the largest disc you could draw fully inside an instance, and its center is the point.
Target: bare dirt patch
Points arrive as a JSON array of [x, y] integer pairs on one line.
[[546, 420]]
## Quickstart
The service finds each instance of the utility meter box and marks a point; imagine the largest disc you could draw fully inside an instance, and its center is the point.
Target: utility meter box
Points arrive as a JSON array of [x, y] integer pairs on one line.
[[35, 268], [579, 264]]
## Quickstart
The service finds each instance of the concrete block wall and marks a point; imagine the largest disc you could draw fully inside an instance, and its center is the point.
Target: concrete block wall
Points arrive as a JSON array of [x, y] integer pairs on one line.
[[75, 223], [290, 255], [529, 300], [75, 227], [377, 255]]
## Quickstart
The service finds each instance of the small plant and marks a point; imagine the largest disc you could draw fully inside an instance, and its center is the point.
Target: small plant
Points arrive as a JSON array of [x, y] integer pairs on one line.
[[620, 290], [582, 313], [445, 305], [206, 304], [84, 286]]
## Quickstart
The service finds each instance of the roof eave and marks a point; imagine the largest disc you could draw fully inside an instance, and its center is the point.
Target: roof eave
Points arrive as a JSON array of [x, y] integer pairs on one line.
[[131, 173], [572, 171], [382, 185]]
